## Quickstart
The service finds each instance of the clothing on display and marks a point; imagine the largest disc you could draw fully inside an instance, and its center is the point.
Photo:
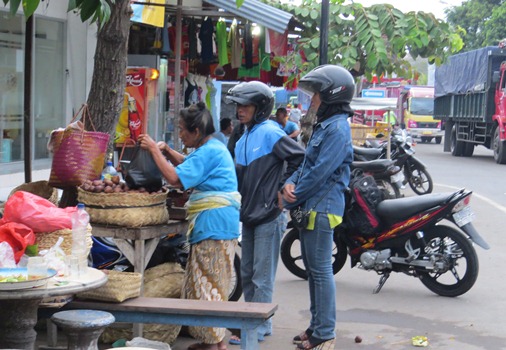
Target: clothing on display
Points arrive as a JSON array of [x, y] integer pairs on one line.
[[206, 40], [234, 43], [221, 40]]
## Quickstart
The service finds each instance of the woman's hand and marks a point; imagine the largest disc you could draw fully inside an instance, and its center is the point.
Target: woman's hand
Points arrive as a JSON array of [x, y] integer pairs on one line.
[[289, 193], [146, 142]]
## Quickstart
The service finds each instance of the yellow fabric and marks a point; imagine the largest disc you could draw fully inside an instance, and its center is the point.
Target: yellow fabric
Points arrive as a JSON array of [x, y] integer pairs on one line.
[[202, 201], [334, 220]]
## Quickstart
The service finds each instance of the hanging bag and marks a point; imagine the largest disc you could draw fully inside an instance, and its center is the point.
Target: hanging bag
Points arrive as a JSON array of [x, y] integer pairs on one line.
[[78, 154], [143, 171]]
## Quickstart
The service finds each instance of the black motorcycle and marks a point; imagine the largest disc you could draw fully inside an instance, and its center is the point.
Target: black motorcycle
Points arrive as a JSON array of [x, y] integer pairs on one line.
[[414, 172], [383, 170], [411, 240]]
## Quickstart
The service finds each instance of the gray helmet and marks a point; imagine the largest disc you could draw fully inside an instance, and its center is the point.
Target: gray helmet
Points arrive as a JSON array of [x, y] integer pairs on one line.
[[253, 93], [334, 83]]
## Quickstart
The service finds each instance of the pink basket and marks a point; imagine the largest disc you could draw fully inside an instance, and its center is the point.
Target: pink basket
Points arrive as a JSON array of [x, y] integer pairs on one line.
[[78, 154]]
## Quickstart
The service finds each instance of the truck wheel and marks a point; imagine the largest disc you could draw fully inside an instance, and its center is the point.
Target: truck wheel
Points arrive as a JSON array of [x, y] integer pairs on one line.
[[438, 140], [457, 147], [468, 149], [499, 148]]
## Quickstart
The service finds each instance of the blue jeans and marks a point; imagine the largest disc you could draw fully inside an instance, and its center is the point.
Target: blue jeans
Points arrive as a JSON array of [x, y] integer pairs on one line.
[[316, 249], [259, 261]]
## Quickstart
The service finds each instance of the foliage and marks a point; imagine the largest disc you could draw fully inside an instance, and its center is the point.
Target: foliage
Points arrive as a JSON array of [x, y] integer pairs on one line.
[[372, 40], [482, 21], [98, 10]]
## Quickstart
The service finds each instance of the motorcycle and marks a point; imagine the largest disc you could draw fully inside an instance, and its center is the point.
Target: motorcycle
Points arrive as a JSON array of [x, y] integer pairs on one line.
[[383, 170], [173, 248], [410, 240], [402, 151]]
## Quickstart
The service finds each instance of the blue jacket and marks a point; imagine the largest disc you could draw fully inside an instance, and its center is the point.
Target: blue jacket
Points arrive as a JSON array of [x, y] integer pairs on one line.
[[260, 156], [329, 154]]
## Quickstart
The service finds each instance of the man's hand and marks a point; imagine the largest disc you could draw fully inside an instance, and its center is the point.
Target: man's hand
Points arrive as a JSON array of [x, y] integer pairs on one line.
[[288, 193]]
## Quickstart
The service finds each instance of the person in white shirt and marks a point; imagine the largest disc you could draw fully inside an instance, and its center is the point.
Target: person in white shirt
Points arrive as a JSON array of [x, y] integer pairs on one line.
[[295, 114]]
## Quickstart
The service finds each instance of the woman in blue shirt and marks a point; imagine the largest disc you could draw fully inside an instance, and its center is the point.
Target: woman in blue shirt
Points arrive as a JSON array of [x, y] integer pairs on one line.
[[213, 209]]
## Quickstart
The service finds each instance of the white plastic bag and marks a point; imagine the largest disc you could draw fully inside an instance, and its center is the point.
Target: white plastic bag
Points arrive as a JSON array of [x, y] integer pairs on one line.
[[6, 256]]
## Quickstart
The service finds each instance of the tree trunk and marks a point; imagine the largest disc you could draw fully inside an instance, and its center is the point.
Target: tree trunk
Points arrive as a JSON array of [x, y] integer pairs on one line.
[[109, 77]]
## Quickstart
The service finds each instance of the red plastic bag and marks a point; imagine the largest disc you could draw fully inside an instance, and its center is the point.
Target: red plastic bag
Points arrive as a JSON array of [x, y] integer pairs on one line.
[[37, 213], [18, 236]]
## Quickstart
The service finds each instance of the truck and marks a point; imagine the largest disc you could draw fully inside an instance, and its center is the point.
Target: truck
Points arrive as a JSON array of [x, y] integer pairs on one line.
[[416, 111], [470, 101]]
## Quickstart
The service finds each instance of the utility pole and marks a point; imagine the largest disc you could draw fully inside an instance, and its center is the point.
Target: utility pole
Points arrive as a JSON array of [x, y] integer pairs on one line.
[[324, 33]]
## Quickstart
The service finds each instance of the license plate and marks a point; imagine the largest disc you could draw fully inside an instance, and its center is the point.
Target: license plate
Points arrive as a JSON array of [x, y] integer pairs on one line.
[[463, 216], [397, 177], [426, 132]]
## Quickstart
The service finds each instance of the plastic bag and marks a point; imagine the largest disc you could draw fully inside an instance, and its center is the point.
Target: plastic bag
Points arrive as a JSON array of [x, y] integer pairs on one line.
[[18, 236], [37, 213], [143, 171], [6, 255]]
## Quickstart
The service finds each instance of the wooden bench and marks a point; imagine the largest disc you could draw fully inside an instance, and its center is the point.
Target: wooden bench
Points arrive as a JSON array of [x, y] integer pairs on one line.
[[246, 316]]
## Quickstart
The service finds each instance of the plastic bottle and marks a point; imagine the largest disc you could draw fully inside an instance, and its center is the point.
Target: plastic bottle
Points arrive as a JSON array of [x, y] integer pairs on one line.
[[80, 221], [108, 172]]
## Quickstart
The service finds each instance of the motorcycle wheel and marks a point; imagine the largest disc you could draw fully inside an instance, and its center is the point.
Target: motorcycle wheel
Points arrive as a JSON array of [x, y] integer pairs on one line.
[[389, 190], [419, 179], [292, 258], [235, 291], [457, 255]]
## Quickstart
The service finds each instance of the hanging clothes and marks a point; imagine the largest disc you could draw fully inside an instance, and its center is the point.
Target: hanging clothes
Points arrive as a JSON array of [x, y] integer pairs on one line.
[[265, 50], [234, 44], [192, 39], [251, 54], [206, 40], [221, 40], [185, 45], [191, 92], [278, 43]]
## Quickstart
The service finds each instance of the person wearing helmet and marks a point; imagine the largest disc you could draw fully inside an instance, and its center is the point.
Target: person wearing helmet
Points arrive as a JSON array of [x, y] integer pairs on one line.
[[318, 187], [260, 155]]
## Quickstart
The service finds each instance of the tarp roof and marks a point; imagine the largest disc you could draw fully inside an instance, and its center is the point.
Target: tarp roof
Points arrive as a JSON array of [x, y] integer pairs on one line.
[[372, 104], [257, 12]]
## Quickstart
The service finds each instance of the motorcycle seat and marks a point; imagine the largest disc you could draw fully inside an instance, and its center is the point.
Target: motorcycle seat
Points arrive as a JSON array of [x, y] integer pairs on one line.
[[370, 153], [377, 165], [393, 210]]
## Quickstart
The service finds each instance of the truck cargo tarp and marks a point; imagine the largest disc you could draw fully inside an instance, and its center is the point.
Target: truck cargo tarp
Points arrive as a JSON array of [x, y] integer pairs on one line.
[[373, 104], [465, 73]]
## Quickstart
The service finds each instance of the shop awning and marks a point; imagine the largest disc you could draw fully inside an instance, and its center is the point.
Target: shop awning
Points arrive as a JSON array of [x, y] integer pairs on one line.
[[257, 12]]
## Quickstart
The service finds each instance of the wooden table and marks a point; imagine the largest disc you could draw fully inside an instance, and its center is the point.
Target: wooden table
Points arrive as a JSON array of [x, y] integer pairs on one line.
[[139, 243], [18, 308]]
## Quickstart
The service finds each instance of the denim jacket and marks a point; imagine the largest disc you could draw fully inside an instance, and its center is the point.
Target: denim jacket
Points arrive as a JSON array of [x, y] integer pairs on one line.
[[326, 165]]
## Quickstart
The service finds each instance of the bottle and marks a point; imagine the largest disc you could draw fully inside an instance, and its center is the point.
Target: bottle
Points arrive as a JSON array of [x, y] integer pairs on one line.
[[80, 221], [134, 119], [108, 172]]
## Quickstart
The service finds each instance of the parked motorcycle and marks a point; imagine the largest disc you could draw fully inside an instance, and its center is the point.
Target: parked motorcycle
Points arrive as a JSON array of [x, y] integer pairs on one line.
[[173, 248], [383, 171], [402, 151], [412, 240]]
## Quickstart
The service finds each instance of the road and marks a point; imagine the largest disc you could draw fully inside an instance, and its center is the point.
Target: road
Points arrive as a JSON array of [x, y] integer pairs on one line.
[[405, 308]]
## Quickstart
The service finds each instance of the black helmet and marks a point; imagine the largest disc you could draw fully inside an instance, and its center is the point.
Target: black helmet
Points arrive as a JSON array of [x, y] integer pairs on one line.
[[334, 83], [253, 93]]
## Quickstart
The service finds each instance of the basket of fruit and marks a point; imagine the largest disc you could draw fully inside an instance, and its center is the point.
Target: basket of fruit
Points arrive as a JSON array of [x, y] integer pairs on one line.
[[113, 202]]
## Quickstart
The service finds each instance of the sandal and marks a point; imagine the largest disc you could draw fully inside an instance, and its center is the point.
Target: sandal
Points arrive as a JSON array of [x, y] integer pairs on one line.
[[302, 337], [234, 340], [328, 344]]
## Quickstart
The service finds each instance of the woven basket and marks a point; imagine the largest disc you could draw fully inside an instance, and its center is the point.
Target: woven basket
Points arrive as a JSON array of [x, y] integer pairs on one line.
[[128, 209], [39, 188], [46, 240], [120, 286]]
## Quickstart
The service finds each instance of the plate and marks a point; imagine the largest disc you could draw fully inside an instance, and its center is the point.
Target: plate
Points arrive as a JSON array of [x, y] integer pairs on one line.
[[6, 272]]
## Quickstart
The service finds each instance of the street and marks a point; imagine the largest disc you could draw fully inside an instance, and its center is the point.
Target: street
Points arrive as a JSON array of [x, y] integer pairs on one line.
[[405, 308]]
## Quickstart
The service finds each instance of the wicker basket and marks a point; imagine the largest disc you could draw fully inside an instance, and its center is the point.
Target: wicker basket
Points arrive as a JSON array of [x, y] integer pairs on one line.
[[120, 286], [39, 188], [129, 209], [46, 240]]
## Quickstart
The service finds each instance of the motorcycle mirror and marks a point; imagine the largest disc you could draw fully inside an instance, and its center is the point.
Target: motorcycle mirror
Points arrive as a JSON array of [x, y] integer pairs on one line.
[[379, 135]]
